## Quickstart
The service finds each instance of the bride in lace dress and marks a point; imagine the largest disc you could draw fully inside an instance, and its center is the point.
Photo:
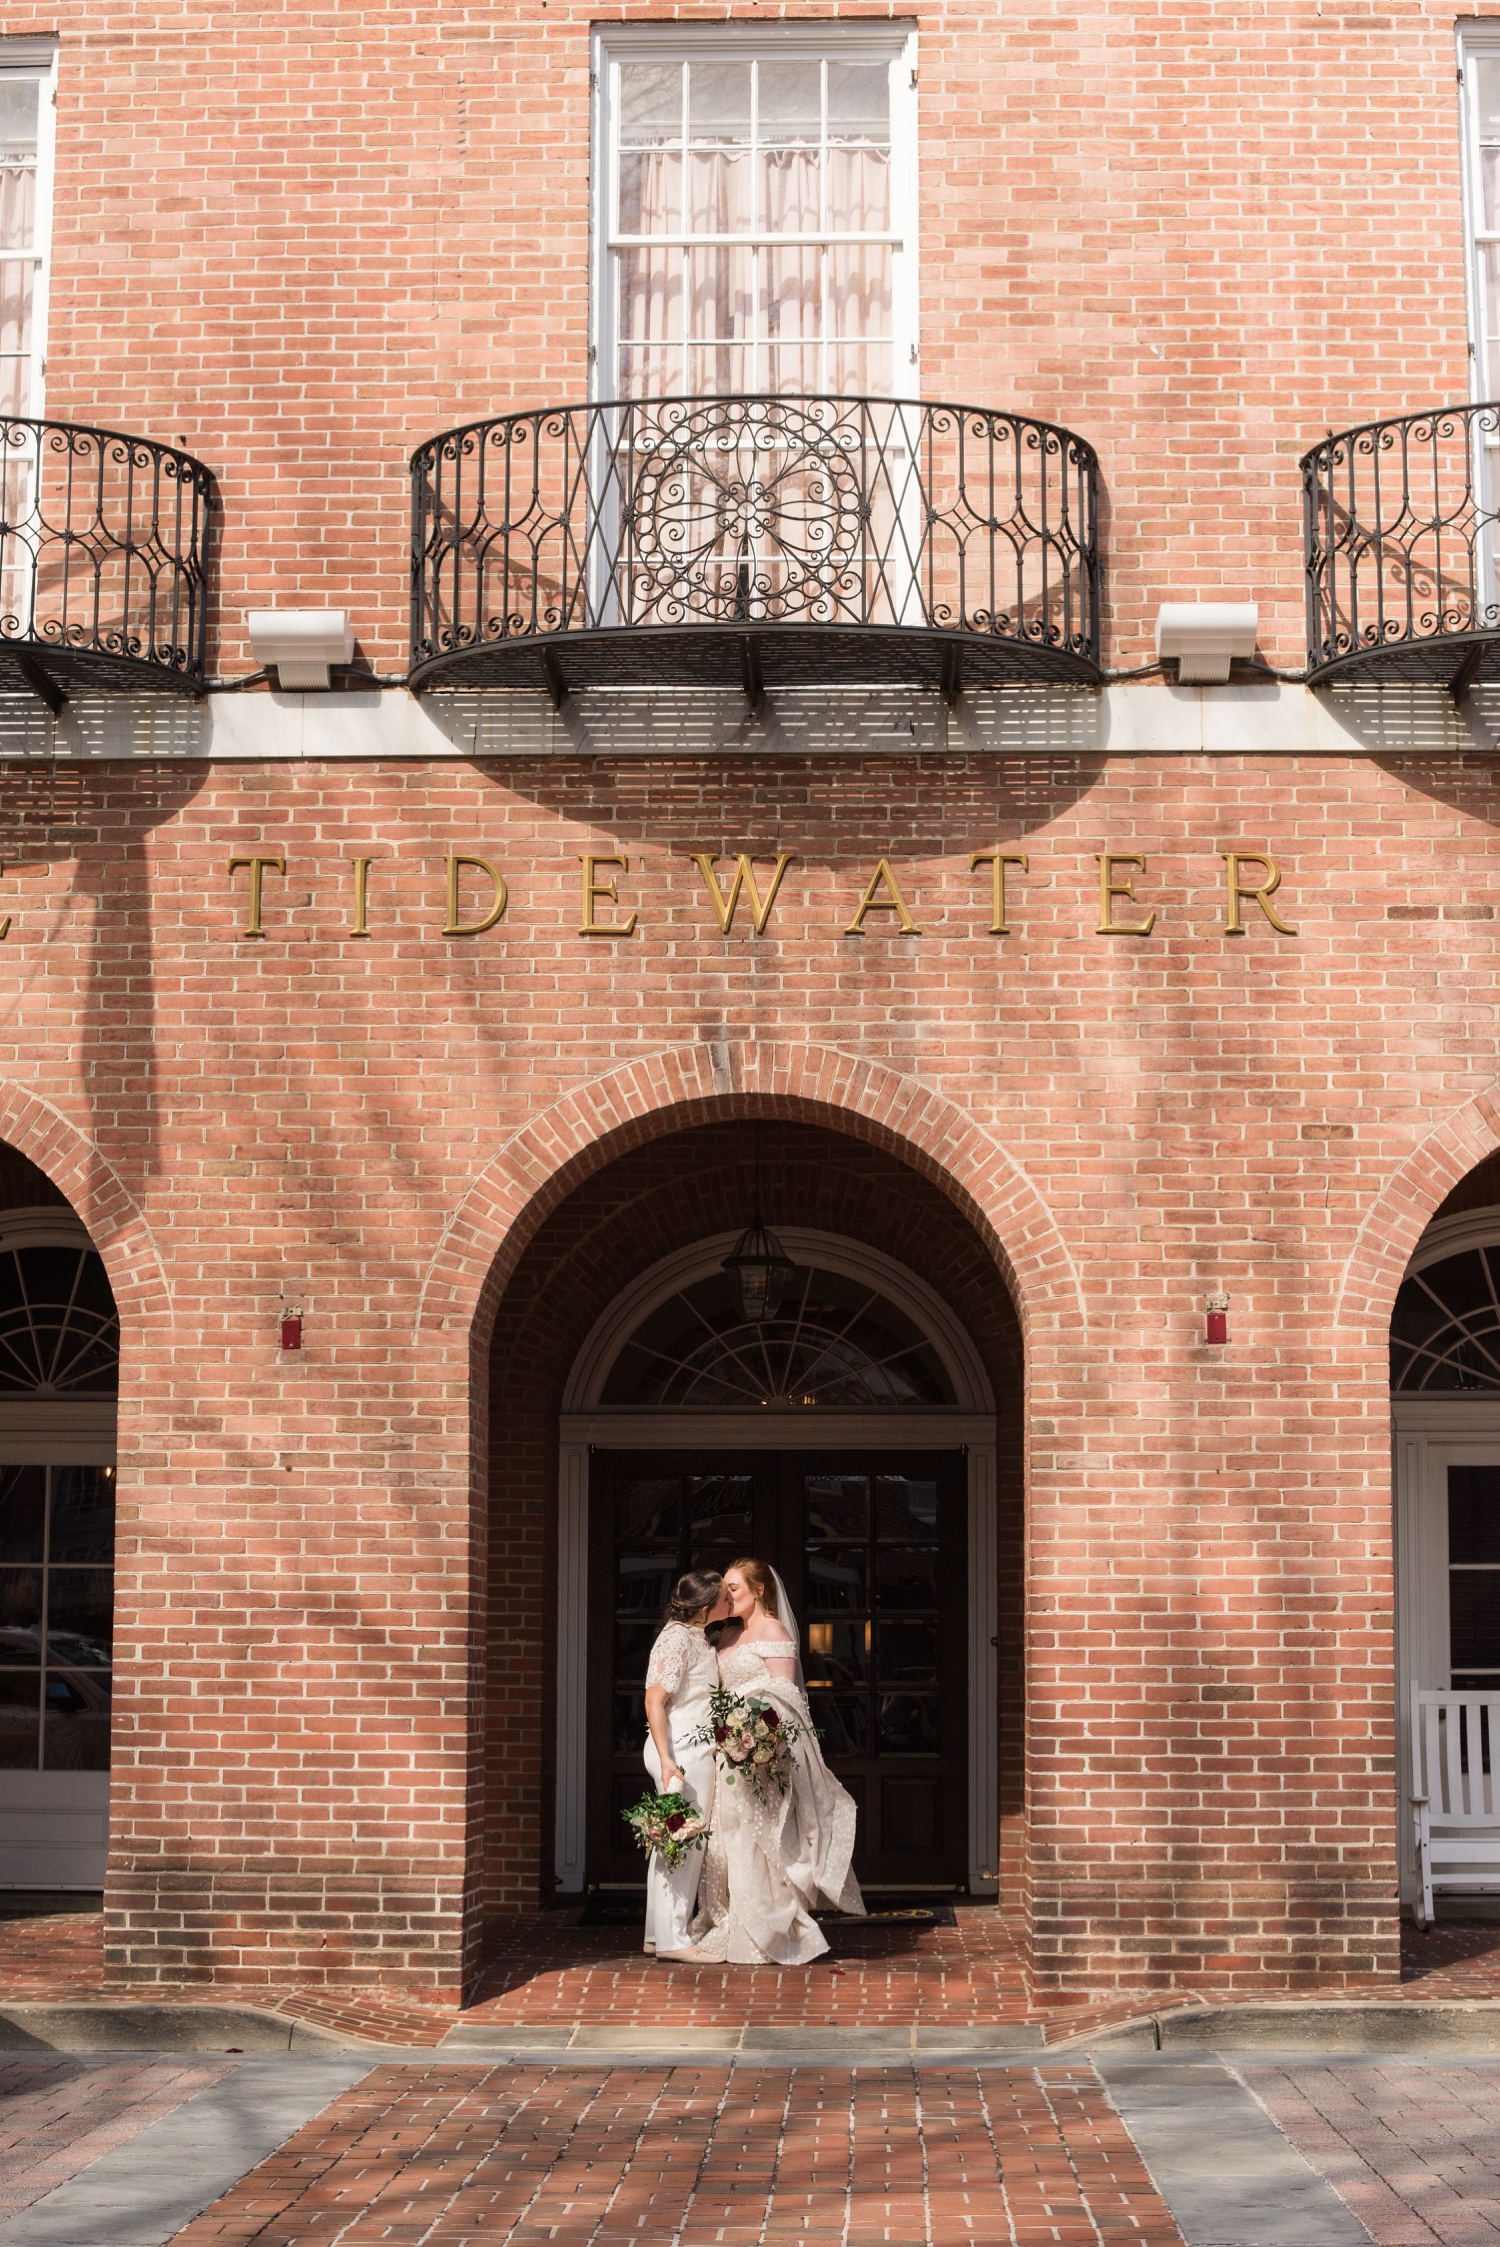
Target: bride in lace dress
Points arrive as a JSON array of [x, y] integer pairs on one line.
[[767, 1866]]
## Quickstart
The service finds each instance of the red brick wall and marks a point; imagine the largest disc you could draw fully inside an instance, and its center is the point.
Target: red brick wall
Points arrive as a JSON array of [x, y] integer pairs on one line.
[[384, 1129], [299, 244], [621, 1221]]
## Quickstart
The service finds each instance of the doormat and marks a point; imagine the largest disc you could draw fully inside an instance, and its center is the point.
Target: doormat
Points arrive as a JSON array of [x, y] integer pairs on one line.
[[630, 1911]]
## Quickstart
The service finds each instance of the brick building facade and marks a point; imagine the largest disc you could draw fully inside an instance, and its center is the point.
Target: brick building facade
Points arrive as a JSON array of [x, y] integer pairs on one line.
[[366, 1177]]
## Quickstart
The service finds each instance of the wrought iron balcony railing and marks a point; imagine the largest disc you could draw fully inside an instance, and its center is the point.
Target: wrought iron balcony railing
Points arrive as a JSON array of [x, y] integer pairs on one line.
[[1402, 523], [103, 561], [754, 542]]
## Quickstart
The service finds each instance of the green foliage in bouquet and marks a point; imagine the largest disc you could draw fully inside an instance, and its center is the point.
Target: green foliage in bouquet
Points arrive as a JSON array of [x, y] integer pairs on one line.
[[752, 1741], [667, 1823]]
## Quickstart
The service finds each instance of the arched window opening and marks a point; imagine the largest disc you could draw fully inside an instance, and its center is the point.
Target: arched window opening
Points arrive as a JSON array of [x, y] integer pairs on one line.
[[836, 1343], [1445, 1329], [59, 1330], [59, 1381]]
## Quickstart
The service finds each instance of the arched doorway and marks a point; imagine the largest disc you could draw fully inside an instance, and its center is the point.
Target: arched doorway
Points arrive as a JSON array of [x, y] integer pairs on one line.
[[59, 1383], [851, 1440], [1445, 1413]]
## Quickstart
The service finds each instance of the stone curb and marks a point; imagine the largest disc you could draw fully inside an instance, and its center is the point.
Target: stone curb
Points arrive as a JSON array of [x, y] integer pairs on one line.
[[1338, 2025]]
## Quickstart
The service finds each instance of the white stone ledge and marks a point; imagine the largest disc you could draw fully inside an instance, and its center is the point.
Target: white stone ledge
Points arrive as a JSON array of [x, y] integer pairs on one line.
[[1141, 720]]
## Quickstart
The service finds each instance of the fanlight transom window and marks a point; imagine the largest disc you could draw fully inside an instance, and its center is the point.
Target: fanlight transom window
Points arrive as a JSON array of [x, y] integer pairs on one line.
[[59, 1331], [1445, 1329], [836, 1343]]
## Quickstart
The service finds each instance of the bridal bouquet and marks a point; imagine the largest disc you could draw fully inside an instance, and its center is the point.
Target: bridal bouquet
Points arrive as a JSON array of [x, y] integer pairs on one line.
[[667, 1824], [752, 1741]]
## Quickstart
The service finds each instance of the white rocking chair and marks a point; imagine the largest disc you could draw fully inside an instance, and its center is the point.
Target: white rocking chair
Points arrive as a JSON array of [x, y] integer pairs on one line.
[[1455, 1754]]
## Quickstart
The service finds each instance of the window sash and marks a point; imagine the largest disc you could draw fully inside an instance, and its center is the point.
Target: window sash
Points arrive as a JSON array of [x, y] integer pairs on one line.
[[704, 312], [23, 341]]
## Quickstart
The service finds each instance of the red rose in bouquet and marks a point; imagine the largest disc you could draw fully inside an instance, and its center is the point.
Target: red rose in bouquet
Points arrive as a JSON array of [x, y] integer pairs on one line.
[[752, 1740], [665, 1823]]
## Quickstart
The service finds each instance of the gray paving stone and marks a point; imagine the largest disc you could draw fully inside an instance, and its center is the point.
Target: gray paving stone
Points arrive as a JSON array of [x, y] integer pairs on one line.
[[143, 2192], [1229, 2176]]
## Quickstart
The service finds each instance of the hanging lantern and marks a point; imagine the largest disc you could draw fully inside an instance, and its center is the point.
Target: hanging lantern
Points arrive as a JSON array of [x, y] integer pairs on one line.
[[760, 1269]]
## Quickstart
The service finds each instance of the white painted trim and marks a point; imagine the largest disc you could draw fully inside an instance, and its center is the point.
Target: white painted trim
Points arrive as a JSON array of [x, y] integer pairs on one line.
[[984, 1674], [1473, 38], [54, 1829], [46, 1227], [1430, 1437], [832, 1252], [58, 1432], [1473, 1418], [693, 723], [572, 1664], [1450, 1236], [894, 41]]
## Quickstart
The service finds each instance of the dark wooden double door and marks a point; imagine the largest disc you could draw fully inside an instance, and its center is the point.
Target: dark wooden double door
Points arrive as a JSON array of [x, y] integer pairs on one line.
[[872, 1547]]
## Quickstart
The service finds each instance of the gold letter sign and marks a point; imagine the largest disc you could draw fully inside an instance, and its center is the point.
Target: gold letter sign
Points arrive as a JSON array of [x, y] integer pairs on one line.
[[453, 926], [894, 903], [257, 868], [997, 861], [744, 879], [1260, 891], [592, 888], [1110, 889]]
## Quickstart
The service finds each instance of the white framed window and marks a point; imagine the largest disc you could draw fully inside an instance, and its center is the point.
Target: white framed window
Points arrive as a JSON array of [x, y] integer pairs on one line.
[[755, 201], [27, 114]]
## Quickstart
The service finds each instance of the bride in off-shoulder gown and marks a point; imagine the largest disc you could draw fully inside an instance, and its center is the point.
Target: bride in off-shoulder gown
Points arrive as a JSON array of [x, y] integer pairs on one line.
[[769, 1865]]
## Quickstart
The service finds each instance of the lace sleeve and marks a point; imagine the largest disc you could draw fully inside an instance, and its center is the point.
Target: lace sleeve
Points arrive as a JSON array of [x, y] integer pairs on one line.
[[669, 1658]]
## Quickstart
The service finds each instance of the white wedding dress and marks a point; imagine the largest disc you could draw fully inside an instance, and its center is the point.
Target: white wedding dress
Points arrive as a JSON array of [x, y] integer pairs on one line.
[[683, 1662], [768, 1865]]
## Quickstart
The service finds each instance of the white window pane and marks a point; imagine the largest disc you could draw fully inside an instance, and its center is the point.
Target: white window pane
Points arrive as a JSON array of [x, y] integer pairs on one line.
[[717, 370], [790, 190], [1486, 69], [859, 101], [859, 289], [1489, 185], [1489, 275], [650, 102], [719, 101], [17, 288], [793, 370], [649, 373], [15, 385], [650, 295], [720, 292], [859, 190], [17, 206], [719, 192], [791, 101], [859, 370], [791, 293], [651, 192]]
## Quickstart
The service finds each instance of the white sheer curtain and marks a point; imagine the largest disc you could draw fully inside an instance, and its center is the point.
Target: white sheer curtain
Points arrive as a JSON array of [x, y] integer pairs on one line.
[[735, 158]]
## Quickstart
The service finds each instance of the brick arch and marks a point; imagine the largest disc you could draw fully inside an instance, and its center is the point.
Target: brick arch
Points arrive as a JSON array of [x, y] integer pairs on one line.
[[97, 1194], [545, 1159], [1404, 1207]]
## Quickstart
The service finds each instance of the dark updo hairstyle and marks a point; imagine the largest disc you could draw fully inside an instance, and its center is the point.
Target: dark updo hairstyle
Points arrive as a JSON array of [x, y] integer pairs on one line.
[[700, 1588]]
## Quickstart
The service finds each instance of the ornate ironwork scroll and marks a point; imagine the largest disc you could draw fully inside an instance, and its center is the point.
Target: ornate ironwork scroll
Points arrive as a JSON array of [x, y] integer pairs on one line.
[[1400, 526], [655, 539], [103, 557]]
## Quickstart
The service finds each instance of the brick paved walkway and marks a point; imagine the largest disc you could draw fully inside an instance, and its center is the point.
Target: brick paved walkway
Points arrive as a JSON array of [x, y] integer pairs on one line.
[[701, 2157], [1415, 2151], [58, 2116]]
